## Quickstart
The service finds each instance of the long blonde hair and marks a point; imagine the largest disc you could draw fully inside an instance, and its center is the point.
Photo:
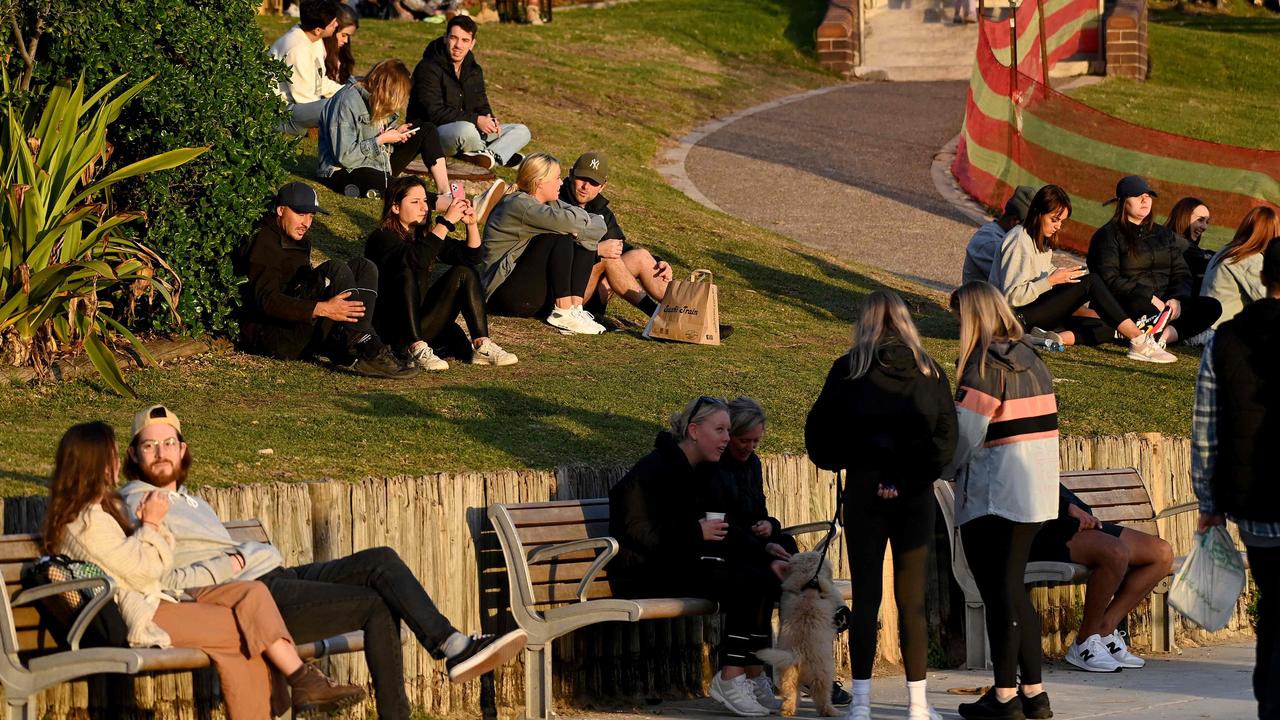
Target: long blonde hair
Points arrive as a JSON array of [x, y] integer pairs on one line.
[[536, 168], [388, 84], [985, 317], [883, 311]]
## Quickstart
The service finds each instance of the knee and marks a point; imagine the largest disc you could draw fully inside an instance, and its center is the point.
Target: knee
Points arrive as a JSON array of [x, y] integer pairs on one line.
[[381, 558], [1114, 556], [1164, 554], [363, 271]]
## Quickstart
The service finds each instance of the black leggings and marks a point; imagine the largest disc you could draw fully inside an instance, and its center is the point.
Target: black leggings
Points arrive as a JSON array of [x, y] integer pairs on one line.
[[1264, 565], [457, 291], [997, 551], [907, 523], [552, 266], [1198, 313], [1054, 308], [366, 180]]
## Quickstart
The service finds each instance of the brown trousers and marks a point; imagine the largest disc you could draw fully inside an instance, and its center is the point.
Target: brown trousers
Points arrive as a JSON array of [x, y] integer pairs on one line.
[[234, 623]]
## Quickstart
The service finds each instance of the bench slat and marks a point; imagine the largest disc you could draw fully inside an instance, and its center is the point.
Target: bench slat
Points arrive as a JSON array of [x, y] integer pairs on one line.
[[559, 572], [552, 534], [19, 547], [576, 514], [566, 592], [1101, 498]]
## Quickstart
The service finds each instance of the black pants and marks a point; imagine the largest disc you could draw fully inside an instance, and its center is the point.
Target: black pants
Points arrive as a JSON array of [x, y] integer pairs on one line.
[[372, 591], [321, 336], [425, 144], [1198, 313], [427, 313], [552, 266], [1264, 564], [367, 180], [1054, 308], [870, 523], [997, 551]]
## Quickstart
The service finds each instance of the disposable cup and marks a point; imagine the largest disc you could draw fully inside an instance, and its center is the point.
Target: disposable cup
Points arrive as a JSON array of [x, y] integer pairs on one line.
[[715, 516]]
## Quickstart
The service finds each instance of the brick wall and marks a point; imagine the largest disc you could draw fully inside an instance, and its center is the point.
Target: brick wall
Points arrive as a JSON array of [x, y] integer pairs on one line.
[[1126, 40], [838, 36]]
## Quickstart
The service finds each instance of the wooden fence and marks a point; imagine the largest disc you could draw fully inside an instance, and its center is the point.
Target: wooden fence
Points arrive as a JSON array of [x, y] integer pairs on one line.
[[437, 523]]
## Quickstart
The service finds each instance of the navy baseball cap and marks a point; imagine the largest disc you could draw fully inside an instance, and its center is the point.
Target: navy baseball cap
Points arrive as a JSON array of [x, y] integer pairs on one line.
[[1131, 186], [300, 198]]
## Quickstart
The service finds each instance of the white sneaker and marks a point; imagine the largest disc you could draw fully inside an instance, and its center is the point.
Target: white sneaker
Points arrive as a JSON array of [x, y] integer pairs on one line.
[[1047, 339], [484, 203], [1146, 349], [1199, 339], [737, 695], [483, 158], [421, 355], [1092, 656], [858, 712], [1120, 651], [915, 712], [764, 693], [574, 321], [490, 354]]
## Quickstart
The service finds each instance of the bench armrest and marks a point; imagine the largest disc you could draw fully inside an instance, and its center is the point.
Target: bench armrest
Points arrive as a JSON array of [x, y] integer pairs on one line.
[[86, 614], [607, 545], [1177, 510], [813, 527]]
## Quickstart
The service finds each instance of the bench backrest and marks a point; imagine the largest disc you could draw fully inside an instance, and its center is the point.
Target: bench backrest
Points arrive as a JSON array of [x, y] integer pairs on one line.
[[526, 527], [1116, 496]]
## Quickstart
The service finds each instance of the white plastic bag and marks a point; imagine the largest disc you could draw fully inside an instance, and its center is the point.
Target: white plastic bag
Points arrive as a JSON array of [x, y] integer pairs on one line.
[[1205, 590]]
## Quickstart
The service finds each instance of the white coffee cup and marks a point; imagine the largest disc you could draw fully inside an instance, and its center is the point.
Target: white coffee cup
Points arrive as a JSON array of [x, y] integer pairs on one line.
[[715, 516]]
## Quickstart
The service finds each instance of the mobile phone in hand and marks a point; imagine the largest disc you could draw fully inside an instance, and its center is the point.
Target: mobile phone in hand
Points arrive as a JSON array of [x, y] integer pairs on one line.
[[457, 191]]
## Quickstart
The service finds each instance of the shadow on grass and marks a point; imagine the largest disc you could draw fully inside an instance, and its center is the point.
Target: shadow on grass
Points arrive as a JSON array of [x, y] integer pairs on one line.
[[802, 25], [1210, 22]]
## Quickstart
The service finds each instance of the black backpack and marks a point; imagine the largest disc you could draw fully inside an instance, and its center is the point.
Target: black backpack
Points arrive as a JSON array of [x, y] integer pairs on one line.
[[58, 612]]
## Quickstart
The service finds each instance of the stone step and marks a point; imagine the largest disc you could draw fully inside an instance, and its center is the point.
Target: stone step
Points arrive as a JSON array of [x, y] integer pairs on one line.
[[920, 57], [921, 73]]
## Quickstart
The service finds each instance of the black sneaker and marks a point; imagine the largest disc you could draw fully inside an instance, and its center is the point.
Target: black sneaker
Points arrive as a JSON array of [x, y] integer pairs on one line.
[[484, 653], [988, 707], [840, 696], [1036, 707], [384, 365], [514, 160]]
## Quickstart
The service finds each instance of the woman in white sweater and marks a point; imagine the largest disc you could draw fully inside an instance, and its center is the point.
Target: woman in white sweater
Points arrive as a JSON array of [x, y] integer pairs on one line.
[[236, 624], [1058, 304], [1234, 273]]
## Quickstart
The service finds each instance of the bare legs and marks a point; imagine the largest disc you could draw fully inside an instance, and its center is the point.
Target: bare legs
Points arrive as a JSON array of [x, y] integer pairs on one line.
[[1125, 570]]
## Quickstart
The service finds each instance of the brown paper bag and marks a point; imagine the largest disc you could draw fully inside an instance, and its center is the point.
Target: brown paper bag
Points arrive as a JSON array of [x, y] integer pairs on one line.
[[690, 312]]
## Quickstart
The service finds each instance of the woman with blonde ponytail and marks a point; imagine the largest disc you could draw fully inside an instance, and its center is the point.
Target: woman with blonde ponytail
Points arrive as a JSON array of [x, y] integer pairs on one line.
[[885, 416]]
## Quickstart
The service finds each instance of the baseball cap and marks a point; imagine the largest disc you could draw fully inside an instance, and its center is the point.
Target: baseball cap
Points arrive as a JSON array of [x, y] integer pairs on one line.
[[1020, 202], [155, 415], [299, 197], [1131, 186], [1271, 261], [591, 166]]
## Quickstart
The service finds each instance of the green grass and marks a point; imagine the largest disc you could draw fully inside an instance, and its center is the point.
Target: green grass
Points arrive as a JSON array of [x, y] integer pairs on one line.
[[625, 80]]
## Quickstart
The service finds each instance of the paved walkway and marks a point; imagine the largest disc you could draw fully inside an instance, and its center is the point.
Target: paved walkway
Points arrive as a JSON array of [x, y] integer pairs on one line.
[[1212, 682]]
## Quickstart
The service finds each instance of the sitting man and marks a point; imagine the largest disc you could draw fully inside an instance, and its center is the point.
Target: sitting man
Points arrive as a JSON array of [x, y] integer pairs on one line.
[[302, 49], [293, 310], [448, 92], [372, 590], [985, 244], [1127, 565]]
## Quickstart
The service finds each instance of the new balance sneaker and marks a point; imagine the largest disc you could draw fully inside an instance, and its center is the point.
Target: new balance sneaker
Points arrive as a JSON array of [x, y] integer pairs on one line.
[[1145, 349], [574, 321], [858, 712], [989, 707], [922, 712], [1120, 651], [490, 354], [484, 203], [1092, 655], [483, 158], [764, 693], [737, 695], [1047, 339], [421, 355], [484, 653]]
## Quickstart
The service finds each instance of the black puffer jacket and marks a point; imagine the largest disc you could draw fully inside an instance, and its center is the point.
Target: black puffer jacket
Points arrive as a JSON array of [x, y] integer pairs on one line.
[[1138, 262], [441, 96], [892, 425], [742, 486]]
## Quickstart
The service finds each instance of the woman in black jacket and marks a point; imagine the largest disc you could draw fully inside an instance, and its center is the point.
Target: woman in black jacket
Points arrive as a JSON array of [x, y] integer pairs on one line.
[[670, 521], [414, 313], [1141, 264], [886, 417]]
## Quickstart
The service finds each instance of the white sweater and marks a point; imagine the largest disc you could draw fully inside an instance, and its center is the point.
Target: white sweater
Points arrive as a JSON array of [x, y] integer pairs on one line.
[[306, 57], [1020, 271], [135, 562]]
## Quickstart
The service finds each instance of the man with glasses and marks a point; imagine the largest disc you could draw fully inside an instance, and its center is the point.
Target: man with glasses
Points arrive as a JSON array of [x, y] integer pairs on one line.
[[371, 590]]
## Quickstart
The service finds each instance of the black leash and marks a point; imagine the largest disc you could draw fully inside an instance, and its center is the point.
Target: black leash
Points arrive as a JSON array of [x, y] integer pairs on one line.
[[836, 522]]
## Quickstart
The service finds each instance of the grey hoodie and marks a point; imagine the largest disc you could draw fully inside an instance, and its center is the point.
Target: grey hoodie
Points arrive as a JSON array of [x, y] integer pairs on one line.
[[203, 549], [517, 219]]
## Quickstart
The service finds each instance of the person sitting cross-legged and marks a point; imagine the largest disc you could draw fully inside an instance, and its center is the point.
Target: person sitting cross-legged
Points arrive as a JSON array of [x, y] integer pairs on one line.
[[1127, 564], [307, 89], [371, 590]]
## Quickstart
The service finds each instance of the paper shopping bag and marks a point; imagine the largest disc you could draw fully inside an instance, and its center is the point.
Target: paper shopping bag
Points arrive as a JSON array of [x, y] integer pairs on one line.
[[689, 312]]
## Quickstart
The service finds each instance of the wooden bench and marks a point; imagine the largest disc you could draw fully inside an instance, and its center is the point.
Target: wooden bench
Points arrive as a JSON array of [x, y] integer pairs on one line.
[[1117, 496], [34, 660], [557, 555]]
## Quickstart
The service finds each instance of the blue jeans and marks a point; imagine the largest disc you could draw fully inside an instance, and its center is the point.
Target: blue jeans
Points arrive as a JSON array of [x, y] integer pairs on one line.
[[463, 136], [303, 116]]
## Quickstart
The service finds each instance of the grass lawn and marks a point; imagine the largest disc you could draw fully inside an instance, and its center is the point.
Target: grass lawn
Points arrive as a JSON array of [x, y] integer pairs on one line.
[[624, 80]]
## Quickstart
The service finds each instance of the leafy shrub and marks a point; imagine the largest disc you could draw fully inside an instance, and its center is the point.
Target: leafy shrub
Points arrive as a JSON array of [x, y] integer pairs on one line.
[[214, 87]]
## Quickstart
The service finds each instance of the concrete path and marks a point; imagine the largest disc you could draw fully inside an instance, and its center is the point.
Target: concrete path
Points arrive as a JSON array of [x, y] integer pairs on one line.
[[1212, 682], [912, 40]]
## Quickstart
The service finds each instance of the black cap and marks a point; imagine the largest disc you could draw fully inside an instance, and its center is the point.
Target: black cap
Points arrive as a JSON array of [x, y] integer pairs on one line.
[[1131, 186], [1271, 261], [1020, 202], [300, 198], [591, 166]]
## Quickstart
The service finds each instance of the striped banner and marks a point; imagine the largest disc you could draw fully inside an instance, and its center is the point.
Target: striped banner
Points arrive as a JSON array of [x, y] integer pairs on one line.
[[1018, 131]]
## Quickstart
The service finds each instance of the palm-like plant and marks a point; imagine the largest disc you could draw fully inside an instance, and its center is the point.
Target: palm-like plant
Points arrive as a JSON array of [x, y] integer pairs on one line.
[[65, 256]]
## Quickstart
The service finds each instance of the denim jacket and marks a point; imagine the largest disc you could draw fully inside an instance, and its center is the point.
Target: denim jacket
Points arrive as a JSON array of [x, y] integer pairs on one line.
[[348, 137]]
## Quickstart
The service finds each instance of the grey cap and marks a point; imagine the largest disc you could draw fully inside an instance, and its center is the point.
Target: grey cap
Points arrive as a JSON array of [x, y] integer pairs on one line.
[[1020, 202]]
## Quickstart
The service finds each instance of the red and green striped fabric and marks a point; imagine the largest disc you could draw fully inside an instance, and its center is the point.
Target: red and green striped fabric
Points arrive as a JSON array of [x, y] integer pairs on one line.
[[1017, 131]]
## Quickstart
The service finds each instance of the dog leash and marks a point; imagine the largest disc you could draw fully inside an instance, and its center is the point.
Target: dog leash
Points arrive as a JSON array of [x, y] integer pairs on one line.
[[836, 521]]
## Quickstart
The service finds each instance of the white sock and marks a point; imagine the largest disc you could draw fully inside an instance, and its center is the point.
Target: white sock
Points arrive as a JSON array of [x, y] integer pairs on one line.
[[861, 692], [917, 694]]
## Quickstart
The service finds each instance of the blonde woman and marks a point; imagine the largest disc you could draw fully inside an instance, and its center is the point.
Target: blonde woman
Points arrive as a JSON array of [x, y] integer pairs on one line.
[[1006, 474], [362, 146], [1234, 276], [885, 416], [539, 251]]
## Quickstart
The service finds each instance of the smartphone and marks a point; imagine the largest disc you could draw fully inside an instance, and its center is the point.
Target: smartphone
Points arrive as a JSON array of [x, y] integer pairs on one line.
[[411, 131], [457, 190]]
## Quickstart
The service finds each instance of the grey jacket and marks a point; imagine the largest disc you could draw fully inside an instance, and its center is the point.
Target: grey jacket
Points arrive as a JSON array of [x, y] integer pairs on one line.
[[203, 547], [1020, 271], [1234, 284], [517, 218], [348, 137]]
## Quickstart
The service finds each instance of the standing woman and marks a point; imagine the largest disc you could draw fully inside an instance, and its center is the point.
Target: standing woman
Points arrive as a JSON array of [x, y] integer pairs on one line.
[[1234, 276], [1188, 219], [361, 145], [1044, 296], [1006, 474], [672, 546], [1141, 265], [886, 417], [416, 314], [237, 624], [339, 60]]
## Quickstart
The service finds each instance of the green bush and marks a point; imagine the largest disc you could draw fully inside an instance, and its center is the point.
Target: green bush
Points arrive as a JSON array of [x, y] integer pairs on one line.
[[213, 88]]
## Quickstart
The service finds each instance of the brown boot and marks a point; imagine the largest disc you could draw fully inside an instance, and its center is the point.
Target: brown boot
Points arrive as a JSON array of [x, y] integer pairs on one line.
[[313, 692]]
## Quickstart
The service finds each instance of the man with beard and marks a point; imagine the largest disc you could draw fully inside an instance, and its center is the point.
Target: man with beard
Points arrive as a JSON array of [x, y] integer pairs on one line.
[[371, 590]]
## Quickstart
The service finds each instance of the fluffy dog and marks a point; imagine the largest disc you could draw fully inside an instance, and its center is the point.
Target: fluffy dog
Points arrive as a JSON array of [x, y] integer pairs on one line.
[[807, 631]]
